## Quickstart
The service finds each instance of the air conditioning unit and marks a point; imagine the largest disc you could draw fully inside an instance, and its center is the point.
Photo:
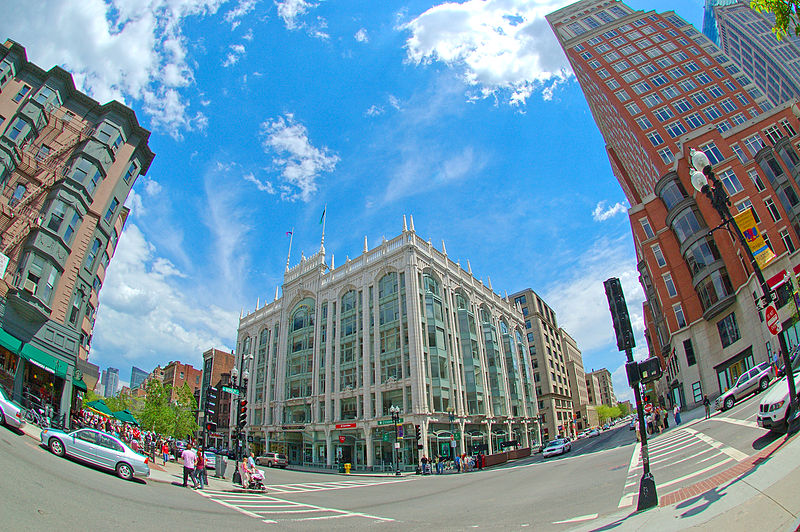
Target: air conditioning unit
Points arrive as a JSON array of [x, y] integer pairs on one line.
[[29, 286]]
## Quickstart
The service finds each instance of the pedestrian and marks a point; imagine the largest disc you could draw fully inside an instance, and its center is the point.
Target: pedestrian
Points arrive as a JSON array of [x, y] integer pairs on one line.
[[658, 420], [707, 404], [440, 465], [665, 416], [165, 452], [677, 413], [200, 468], [638, 434], [189, 463]]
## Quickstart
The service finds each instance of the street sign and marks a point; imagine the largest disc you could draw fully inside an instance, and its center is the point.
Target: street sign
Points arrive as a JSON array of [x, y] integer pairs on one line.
[[232, 391], [389, 421], [648, 408], [341, 439], [388, 436], [773, 322], [399, 432]]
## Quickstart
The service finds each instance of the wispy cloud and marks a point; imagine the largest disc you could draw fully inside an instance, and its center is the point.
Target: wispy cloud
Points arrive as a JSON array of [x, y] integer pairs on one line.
[[496, 46], [233, 17], [361, 35], [236, 52], [128, 51], [299, 162], [425, 168], [374, 110], [292, 12], [263, 186], [602, 213]]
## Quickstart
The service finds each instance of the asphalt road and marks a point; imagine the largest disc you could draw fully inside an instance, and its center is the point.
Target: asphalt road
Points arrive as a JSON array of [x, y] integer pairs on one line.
[[597, 477]]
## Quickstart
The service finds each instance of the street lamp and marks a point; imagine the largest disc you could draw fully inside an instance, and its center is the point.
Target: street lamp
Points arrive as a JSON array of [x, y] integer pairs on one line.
[[450, 413], [244, 363], [395, 412], [718, 196]]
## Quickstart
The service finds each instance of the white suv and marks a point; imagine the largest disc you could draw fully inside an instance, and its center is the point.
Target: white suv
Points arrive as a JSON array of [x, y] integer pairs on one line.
[[753, 380], [773, 410]]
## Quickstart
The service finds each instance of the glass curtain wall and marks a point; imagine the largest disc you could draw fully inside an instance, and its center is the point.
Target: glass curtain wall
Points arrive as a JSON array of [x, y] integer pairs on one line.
[[300, 359], [527, 379], [494, 365], [473, 376], [512, 370], [437, 347]]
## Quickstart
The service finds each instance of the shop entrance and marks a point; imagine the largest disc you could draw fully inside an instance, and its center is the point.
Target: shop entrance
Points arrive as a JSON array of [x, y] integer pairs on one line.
[[729, 371]]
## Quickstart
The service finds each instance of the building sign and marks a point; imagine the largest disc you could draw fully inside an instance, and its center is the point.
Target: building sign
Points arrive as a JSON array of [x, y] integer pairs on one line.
[[756, 243], [346, 426], [389, 421], [294, 427]]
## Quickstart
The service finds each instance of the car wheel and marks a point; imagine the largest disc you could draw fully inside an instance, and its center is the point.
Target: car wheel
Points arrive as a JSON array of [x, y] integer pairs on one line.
[[124, 471], [3, 418], [728, 402], [269, 464], [56, 447], [763, 384]]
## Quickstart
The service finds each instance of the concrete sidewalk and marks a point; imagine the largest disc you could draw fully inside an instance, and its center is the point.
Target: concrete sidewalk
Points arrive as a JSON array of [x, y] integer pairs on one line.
[[759, 493]]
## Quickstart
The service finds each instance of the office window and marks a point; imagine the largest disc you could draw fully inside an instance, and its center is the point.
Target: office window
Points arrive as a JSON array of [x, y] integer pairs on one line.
[[654, 138], [739, 153], [670, 284], [664, 62], [657, 253], [682, 105], [621, 65], [731, 182], [728, 330], [637, 59], [633, 108], [694, 120], [688, 350], [714, 91], [679, 317], [644, 122], [773, 210], [676, 72], [665, 113], [711, 112], [648, 69], [754, 144], [723, 126], [787, 240], [659, 79], [652, 99], [675, 129], [648, 230], [712, 152], [666, 155], [622, 95], [603, 73], [670, 92], [699, 98], [613, 84], [756, 179], [611, 57], [727, 105]]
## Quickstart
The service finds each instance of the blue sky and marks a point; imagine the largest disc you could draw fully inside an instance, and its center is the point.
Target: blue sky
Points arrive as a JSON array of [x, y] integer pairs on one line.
[[464, 115]]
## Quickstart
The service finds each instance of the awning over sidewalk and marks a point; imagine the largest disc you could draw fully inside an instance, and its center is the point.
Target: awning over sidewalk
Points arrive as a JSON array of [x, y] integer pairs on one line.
[[100, 407], [126, 417], [80, 385], [44, 360], [9, 342]]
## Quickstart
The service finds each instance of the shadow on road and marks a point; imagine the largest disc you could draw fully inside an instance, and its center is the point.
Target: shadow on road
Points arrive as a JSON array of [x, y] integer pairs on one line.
[[765, 439], [18, 432]]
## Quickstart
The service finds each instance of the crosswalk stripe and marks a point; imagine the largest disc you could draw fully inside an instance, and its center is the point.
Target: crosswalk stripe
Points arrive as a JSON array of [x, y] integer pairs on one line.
[[730, 451], [694, 474], [742, 422]]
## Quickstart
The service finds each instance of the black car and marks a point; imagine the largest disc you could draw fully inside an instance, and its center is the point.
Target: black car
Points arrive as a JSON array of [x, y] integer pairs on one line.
[[795, 360]]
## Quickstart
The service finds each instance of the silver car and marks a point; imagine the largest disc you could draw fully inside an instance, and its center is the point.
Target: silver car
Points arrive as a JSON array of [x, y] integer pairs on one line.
[[755, 379], [10, 414], [97, 448]]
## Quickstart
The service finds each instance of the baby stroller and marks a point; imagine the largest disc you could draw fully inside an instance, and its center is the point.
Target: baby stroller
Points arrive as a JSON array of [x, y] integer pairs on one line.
[[256, 479]]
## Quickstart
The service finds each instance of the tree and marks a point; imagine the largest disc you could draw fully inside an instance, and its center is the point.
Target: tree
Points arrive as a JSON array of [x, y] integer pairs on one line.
[[118, 402], [89, 396], [623, 409], [157, 415], [185, 413], [606, 412], [787, 15]]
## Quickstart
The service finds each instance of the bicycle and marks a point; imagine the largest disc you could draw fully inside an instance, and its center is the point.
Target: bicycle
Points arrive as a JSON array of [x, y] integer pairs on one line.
[[34, 416]]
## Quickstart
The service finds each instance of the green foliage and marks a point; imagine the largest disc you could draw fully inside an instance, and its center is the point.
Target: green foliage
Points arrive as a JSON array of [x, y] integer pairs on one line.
[[157, 414], [623, 409], [119, 402], [606, 412], [89, 396], [786, 15], [184, 411]]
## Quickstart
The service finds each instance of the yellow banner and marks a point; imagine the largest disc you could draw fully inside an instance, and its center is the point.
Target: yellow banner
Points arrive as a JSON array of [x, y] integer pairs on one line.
[[747, 225]]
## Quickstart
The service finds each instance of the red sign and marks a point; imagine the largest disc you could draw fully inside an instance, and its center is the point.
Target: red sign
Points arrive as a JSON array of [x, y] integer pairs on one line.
[[648, 408], [773, 322], [341, 439], [346, 426]]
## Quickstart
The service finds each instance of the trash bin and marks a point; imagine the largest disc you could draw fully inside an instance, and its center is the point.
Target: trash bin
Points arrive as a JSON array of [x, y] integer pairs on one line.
[[219, 468], [347, 468]]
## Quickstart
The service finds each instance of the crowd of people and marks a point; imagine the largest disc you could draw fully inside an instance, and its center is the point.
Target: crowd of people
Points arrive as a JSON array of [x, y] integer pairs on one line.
[[462, 463], [658, 420]]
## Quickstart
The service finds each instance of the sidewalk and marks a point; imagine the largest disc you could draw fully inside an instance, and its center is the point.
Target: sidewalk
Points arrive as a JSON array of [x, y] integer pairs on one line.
[[759, 493]]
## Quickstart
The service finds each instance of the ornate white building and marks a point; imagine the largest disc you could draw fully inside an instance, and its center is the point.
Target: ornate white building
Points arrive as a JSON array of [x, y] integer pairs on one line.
[[400, 325]]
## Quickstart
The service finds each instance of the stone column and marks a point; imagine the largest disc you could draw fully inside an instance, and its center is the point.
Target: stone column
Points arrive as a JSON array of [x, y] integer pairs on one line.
[[368, 443], [329, 452]]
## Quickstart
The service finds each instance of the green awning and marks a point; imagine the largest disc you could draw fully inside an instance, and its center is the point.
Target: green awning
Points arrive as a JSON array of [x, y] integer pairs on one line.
[[9, 342], [44, 360], [100, 407], [126, 417], [79, 385]]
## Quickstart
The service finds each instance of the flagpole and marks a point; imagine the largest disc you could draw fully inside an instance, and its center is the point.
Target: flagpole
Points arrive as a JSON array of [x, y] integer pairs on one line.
[[291, 237], [324, 219]]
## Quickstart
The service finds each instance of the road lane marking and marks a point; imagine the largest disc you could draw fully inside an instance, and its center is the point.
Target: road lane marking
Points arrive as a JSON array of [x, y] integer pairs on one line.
[[691, 475], [730, 451], [576, 519], [742, 422], [627, 498], [690, 457], [231, 506]]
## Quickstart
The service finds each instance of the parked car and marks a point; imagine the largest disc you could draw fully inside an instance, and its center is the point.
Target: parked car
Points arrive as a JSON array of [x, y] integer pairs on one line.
[[273, 460], [795, 363], [10, 413], [754, 380], [593, 433], [557, 446], [97, 448], [774, 407], [583, 434]]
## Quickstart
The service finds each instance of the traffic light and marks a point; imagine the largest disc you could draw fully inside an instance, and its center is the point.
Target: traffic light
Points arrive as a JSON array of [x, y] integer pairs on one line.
[[211, 402], [242, 413], [619, 314], [211, 426], [418, 432]]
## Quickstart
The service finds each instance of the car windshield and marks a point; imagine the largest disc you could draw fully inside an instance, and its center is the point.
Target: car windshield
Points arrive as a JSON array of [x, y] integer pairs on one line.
[[555, 443]]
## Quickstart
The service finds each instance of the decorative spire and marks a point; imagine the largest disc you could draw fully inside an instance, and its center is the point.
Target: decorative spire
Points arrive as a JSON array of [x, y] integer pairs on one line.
[[302, 257], [258, 302], [490, 282], [323, 220], [405, 227], [288, 255], [332, 266], [365, 244], [276, 292], [469, 267], [411, 218], [241, 313], [444, 249]]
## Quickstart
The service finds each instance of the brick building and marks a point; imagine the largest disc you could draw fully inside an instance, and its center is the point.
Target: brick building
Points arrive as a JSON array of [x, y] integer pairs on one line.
[[176, 374]]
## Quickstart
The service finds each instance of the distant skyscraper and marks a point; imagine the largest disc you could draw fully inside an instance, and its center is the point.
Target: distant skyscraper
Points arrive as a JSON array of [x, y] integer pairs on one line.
[[112, 382], [746, 37], [137, 377], [658, 88]]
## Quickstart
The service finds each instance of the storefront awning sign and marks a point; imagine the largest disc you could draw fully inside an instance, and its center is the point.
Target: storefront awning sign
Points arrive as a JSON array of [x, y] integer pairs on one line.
[[44, 360], [346, 426]]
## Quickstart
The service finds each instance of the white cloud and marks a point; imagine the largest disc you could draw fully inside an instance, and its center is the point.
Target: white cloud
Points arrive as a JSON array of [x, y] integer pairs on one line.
[[264, 186], [242, 8], [117, 49], [361, 35], [425, 168], [236, 53], [602, 213], [580, 300], [146, 317], [152, 187], [291, 10], [374, 110], [497, 46], [299, 162], [394, 102]]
